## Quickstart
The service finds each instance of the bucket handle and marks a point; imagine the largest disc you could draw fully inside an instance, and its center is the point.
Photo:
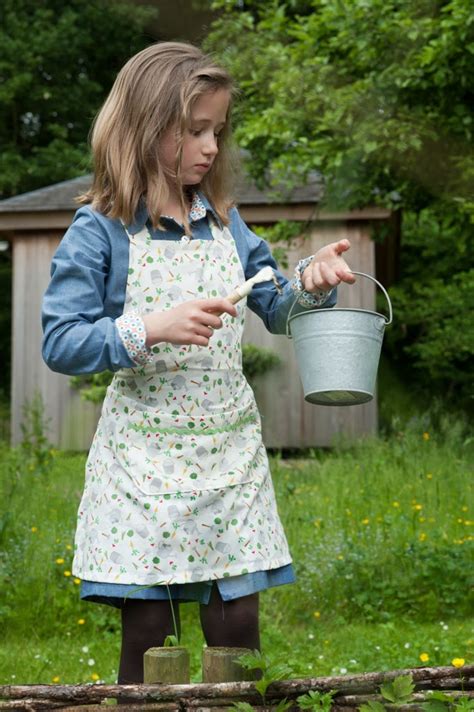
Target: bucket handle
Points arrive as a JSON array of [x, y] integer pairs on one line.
[[362, 274]]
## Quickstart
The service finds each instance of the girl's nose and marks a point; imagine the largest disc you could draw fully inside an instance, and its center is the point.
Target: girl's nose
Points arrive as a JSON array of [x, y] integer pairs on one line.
[[210, 147]]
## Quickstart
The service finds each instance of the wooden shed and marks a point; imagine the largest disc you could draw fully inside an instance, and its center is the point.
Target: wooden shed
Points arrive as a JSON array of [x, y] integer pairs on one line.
[[34, 223]]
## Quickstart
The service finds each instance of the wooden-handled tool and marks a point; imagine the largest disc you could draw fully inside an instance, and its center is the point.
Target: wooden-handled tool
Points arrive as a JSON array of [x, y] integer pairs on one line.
[[266, 274]]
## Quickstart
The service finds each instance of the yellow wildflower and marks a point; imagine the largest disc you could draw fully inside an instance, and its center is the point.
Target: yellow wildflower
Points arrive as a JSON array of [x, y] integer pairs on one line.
[[464, 509], [396, 504], [60, 561], [429, 476], [77, 581], [365, 521], [69, 547], [426, 436], [81, 621], [458, 662], [424, 657], [67, 573], [94, 676], [422, 536], [56, 679], [317, 614], [34, 529], [417, 507]]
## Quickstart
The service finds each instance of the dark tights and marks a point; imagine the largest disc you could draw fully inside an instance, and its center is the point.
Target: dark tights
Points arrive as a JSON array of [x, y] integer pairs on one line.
[[145, 624]]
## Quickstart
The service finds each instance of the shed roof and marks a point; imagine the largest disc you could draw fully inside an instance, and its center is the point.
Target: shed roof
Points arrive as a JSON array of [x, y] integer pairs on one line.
[[61, 196]]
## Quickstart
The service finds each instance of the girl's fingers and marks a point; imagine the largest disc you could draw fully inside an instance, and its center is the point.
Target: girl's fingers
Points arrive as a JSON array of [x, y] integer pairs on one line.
[[329, 276], [218, 305], [342, 246], [345, 275], [210, 319], [202, 330]]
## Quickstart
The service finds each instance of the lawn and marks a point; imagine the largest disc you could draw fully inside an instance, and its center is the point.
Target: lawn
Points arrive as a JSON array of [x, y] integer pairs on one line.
[[381, 536]]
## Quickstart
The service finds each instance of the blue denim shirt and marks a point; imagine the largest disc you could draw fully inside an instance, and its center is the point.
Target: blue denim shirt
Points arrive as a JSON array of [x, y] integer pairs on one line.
[[89, 271]]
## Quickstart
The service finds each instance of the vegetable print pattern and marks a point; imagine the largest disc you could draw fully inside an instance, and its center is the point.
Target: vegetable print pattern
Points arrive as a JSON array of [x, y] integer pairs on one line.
[[178, 487]]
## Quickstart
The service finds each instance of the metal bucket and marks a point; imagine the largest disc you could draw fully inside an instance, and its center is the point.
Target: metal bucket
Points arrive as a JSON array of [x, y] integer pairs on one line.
[[338, 351]]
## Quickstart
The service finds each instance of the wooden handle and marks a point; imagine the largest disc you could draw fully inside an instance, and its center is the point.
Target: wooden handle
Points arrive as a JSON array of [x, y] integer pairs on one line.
[[234, 297]]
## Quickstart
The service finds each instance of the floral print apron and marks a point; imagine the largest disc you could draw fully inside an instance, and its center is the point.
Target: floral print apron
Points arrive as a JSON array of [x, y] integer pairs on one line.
[[178, 487]]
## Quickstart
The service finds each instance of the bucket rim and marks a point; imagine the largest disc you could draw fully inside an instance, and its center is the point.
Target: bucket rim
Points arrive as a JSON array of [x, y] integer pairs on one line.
[[338, 309]]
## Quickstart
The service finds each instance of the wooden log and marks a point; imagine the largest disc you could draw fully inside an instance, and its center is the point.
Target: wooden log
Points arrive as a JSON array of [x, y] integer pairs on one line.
[[345, 684], [168, 665], [219, 664]]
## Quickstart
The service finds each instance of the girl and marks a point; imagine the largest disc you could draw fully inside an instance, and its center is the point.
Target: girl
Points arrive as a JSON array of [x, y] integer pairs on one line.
[[178, 501]]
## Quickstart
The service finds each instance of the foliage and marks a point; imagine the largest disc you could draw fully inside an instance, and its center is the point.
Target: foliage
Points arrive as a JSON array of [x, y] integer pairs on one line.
[[270, 671], [171, 640], [256, 361], [316, 701], [280, 235], [438, 701], [57, 62], [345, 534], [92, 386], [35, 446], [399, 691], [377, 98]]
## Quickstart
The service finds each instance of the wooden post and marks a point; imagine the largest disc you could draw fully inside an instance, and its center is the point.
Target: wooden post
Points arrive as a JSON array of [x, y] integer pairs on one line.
[[220, 665], [166, 665]]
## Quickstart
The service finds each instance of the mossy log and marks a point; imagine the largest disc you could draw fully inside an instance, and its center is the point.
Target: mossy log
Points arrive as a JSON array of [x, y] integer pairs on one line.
[[201, 696], [169, 666], [220, 664]]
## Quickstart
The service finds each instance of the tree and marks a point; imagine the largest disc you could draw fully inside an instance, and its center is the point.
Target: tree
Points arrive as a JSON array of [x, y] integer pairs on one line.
[[57, 62], [377, 96]]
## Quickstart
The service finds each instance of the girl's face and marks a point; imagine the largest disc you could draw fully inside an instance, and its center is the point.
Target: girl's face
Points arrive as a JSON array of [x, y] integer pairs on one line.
[[200, 146]]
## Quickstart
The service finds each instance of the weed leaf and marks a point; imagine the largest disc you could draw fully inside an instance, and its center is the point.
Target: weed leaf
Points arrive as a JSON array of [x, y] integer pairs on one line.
[[372, 706], [435, 706], [243, 706], [315, 700], [399, 691], [170, 641]]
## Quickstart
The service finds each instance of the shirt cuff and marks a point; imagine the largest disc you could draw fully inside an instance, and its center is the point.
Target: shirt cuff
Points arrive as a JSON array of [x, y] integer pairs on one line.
[[308, 299], [133, 335]]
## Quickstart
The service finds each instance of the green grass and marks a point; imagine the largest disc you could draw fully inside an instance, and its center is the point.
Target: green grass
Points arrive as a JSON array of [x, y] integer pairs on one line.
[[380, 532]]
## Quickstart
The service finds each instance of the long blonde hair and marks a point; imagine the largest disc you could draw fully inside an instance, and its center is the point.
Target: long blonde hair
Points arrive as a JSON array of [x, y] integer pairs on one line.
[[155, 90]]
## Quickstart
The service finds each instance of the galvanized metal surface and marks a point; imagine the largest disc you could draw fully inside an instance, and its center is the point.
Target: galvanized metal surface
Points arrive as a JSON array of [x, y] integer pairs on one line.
[[338, 352]]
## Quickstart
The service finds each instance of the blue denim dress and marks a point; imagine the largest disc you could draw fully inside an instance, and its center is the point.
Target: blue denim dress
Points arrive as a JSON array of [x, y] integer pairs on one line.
[[229, 588]]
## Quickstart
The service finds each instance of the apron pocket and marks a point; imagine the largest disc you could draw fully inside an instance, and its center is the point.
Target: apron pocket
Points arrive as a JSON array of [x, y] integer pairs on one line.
[[165, 453]]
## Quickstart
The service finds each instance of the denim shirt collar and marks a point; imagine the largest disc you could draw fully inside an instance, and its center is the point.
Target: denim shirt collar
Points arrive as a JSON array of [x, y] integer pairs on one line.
[[141, 216]]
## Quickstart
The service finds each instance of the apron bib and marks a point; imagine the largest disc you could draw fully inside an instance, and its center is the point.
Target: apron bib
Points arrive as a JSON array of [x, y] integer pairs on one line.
[[178, 487]]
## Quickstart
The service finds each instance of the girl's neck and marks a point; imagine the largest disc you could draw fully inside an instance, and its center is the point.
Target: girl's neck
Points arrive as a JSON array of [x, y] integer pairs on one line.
[[174, 207]]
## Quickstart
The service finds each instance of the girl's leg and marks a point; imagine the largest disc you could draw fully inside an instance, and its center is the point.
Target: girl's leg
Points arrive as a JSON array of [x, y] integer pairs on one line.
[[232, 624], [145, 624]]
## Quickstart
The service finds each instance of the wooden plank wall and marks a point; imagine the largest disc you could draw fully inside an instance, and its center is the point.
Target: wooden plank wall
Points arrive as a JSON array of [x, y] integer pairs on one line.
[[71, 420], [288, 421]]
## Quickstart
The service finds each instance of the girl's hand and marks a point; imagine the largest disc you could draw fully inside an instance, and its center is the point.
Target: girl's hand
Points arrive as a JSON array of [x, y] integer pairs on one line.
[[191, 322], [328, 268]]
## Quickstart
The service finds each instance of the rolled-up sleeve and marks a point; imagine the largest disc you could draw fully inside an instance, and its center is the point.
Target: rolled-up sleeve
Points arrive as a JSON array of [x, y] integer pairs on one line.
[[78, 336], [264, 299]]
